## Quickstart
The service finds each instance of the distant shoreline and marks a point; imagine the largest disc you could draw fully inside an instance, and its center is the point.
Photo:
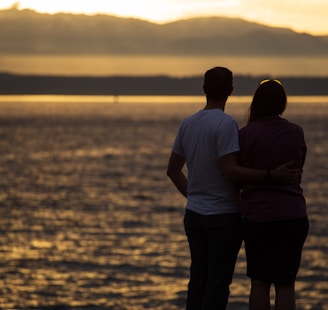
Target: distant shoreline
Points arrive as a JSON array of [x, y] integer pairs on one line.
[[12, 84]]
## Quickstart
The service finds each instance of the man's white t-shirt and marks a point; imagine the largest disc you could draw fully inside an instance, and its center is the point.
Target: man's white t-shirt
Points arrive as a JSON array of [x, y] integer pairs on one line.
[[202, 139]]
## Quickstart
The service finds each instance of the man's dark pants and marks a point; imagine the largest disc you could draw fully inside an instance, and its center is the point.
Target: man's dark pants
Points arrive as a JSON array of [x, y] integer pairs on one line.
[[214, 242]]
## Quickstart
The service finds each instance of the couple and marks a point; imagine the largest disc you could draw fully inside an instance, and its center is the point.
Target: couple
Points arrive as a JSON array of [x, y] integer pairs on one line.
[[241, 186]]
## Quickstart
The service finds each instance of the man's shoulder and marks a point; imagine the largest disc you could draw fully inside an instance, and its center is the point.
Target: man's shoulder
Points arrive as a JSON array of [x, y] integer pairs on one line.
[[226, 119], [216, 116], [191, 117]]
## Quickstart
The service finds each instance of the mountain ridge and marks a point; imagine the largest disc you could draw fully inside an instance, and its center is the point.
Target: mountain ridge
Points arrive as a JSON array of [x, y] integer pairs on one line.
[[29, 32]]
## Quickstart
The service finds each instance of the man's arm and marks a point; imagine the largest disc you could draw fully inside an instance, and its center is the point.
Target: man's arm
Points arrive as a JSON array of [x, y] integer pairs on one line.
[[232, 171], [175, 173]]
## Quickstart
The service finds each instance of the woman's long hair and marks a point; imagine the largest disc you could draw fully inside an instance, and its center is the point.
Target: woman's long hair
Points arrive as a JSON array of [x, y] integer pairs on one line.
[[269, 99]]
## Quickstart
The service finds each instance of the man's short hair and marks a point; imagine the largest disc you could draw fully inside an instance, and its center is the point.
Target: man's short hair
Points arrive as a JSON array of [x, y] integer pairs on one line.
[[218, 83]]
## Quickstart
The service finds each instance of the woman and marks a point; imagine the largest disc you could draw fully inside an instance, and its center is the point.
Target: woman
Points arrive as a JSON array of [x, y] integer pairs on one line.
[[275, 222]]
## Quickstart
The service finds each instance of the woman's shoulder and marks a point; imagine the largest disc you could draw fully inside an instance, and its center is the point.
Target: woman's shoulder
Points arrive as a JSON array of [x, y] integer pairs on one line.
[[269, 122], [292, 125]]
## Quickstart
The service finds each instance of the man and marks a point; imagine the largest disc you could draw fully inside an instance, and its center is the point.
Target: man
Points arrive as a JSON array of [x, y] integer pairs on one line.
[[207, 142]]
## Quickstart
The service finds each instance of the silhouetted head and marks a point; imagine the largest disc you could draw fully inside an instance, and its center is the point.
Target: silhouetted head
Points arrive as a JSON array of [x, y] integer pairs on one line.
[[269, 99], [218, 83]]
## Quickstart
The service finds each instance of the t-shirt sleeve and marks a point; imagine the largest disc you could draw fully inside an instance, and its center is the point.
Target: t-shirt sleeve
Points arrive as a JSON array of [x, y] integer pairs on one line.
[[228, 139]]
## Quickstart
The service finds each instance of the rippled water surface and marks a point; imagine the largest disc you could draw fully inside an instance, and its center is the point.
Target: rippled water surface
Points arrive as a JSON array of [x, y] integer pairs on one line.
[[89, 219]]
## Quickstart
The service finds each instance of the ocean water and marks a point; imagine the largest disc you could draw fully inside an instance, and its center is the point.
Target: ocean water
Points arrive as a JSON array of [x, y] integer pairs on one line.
[[89, 220]]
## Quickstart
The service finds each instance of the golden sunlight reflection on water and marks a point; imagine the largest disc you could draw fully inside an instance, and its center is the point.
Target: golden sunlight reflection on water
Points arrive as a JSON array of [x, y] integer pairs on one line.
[[89, 219]]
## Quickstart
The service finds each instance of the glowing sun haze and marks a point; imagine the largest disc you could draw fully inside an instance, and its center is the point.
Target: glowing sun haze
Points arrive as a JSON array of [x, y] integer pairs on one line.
[[299, 15]]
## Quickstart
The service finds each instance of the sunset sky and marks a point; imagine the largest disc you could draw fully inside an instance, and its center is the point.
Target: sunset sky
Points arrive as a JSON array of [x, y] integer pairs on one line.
[[299, 15]]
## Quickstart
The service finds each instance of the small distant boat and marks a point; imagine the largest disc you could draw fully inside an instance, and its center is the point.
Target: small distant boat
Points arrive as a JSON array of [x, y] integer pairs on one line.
[[116, 99]]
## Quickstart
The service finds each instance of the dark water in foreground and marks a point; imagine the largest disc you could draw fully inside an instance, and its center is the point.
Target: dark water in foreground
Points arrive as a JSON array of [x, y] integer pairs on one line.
[[89, 220]]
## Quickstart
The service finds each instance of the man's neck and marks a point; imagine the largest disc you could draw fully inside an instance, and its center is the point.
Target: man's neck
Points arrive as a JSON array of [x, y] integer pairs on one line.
[[215, 104]]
